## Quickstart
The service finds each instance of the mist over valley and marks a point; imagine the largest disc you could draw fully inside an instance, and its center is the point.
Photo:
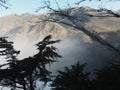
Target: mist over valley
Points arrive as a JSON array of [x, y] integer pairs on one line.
[[27, 29]]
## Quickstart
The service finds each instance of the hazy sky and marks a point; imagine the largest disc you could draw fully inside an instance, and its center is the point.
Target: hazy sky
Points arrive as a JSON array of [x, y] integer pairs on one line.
[[29, 6]]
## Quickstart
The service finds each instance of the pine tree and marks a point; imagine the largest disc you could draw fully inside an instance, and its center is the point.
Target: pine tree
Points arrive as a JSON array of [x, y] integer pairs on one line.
[[108, 77], [73, 78], [24, 73]]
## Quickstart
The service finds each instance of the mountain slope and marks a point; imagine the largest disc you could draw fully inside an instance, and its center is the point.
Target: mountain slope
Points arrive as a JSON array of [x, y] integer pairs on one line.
[[12, 21], [75, 45]]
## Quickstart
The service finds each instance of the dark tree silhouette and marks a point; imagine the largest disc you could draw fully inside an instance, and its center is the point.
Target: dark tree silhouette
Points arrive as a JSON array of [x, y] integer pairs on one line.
[[108, 78], [24, 73], [73, 78], [7, 49]]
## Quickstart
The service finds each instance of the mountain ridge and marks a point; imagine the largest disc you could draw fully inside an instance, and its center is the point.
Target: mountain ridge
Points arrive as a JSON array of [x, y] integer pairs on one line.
[[75, 45], [11, 21]]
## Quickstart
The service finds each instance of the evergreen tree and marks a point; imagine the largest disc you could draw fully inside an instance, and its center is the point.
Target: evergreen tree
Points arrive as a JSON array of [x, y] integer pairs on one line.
[[24, 73], [108, 78], [7, 49], [74, 78]]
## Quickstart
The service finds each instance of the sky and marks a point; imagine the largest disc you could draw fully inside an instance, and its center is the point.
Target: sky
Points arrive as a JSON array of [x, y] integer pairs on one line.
[[30, 6]]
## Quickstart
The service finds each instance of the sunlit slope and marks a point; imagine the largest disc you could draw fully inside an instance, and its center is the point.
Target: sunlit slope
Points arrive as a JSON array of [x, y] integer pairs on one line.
[[30, 26], [75, 45]]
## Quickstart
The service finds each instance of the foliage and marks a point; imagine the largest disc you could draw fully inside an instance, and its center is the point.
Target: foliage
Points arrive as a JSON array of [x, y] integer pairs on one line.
[[24, 73], [7, 49], [108, 77], [74, 78]]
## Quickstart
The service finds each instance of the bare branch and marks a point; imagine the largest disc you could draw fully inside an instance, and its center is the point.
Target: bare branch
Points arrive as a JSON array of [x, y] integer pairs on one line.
[[4, 4], [80, 2], [73, 19], [94, 37]]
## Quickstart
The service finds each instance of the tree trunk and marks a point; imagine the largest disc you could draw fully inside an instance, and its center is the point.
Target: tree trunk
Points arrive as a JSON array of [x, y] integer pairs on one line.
[[31, 83], [24, 84], [24, 87]]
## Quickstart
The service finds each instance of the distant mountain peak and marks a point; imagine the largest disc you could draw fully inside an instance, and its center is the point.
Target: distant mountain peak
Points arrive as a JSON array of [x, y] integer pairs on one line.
[[14, 20], [26, 29]]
